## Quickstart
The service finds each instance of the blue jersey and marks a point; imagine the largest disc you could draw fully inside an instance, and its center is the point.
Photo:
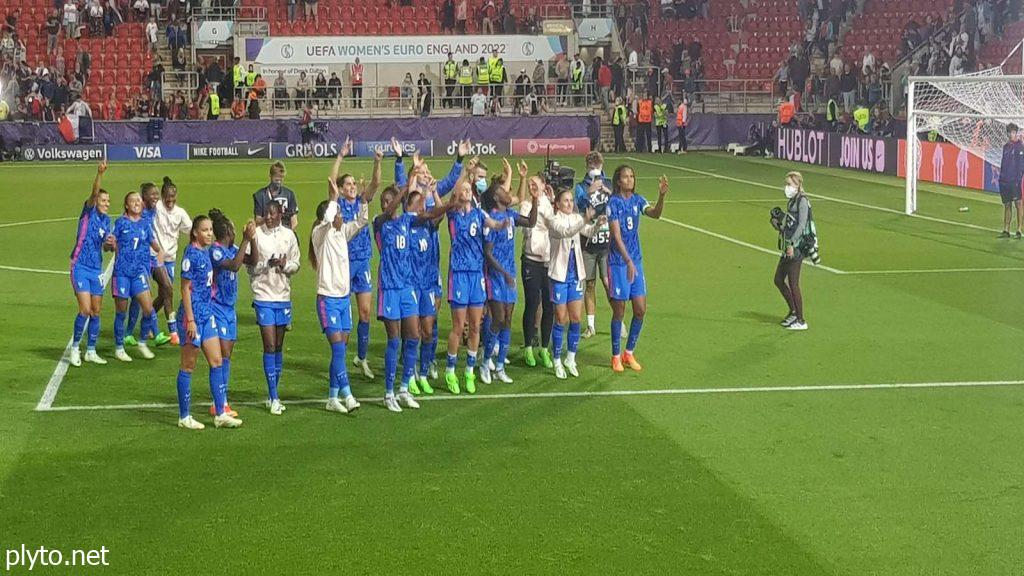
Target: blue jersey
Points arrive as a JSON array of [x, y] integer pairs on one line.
[[467, 234], [133, 240], [503, 242], [425, 264], [392, 235], [359, 246], [225, 281], [93, 228], [197, 267], [149, 215], [627, 212]]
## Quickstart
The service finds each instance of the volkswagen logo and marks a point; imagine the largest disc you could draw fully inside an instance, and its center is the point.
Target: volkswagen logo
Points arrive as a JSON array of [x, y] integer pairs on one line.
[[528, 49], [287, 51], [30, 154]]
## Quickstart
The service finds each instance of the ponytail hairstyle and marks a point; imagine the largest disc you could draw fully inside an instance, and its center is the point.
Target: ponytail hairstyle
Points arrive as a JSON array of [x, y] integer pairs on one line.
[[321, 210], [195, 224], [221, 224], [797, 179]]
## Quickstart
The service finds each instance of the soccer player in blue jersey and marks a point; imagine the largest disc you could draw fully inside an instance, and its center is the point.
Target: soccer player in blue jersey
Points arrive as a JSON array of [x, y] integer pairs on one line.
[[198, 329], [227, 260], [92, 238], [150, 196], [499, 252], [626, 282], [133, 238], [360, 252], [426, 276]]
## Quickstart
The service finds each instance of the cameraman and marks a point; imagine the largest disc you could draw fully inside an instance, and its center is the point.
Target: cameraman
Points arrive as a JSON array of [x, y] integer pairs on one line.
[[792, 230], [593, 192]]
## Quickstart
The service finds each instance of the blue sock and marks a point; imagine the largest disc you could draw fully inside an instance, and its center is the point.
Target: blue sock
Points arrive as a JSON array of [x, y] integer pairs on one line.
[[76, 335], [616, 337], [217, 388], [635, 325], [94, 332], [433, 339], [557, 333], [184, 392], [363, 335], [134, 309], [425, 357], [486, 336], [338, 351], [148, 326], [408, 362], [279, 364], [504, 341], [119, 328], [172, 326], [270, 371], [391, 364], [470, 360], [226, 366], [452, 361], [574, 336], [154, 325]]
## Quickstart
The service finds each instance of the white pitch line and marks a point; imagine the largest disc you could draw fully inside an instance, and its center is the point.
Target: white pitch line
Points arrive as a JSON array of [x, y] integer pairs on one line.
[[27, 222], [53, 386], [721, 201], [829, 198], [601, 394], [738, 242], [35, 270], [933, 271]]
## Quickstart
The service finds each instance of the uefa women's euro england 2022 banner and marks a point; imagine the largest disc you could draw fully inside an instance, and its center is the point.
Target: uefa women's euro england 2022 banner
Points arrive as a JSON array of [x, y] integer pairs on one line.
[[324, 50]]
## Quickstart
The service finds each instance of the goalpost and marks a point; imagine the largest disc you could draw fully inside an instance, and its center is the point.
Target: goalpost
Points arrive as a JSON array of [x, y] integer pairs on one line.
[[970, 111]]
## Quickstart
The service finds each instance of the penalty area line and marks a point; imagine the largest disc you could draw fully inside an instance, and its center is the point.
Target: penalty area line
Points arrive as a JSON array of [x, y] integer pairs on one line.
[[599, 394], [35, 270]]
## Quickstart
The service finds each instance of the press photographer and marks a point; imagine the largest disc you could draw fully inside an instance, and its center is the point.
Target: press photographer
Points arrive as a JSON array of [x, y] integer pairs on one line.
[[797, 239], [593, 191]]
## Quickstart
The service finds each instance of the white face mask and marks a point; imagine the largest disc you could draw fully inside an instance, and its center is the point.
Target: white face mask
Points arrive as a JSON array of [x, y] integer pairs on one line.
[[595, 172], [790, 191]]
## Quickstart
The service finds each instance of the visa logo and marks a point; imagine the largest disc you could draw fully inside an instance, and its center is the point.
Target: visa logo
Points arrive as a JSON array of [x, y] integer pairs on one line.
[[147, 152]]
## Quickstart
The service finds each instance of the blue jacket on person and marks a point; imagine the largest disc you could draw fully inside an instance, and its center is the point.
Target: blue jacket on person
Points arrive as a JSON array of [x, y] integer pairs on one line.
[[1011, 169]]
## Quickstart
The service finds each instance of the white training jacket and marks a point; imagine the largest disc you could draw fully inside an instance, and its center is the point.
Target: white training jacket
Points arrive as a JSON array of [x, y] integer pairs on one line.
[[536, 244], [268, 283], [169, 225], [564, 232], [330, 244]]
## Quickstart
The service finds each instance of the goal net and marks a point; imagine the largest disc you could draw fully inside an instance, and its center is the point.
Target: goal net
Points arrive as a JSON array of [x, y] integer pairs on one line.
[[970, 111]]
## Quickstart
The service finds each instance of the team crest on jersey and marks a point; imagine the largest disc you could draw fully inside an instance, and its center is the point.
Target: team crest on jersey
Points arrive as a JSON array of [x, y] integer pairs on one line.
[[186, 265], [217, 254]]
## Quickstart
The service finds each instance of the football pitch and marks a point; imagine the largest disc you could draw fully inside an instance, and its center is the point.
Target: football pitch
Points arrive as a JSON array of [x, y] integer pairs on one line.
[[886, 439]]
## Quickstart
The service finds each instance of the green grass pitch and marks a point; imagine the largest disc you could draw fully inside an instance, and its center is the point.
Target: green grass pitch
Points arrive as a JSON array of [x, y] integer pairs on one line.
[[783, 459]]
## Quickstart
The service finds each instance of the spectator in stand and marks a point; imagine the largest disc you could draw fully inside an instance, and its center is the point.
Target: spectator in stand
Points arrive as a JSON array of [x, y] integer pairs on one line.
[[532, 104], [460, 16], [799, 71], [320, 95], [155, 80], [406, 92], [447, 17], [70, 19], [836, 64], [488, 13], [238, 109], [83, 64], [112, 109], [540, 76], [356, 74], [52, 29], [291, 10], [848, 88], [874, 91], [152, 36], [508, 22], [604, 85], [425, 95], [155, 8], [76, 84], [280, 90], [310, 10], [522, 86], [781, 78], [334, 90], [956, 63], [94, 8], [867, 65], [6, 46], [301, 90], [479, 102], [562, 81], [141, 10], [11, 22], [259, 89], [161, 108]]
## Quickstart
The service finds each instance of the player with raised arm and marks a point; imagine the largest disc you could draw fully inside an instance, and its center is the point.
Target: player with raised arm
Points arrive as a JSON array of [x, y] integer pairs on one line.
[[328, 254], [270, 278], [426, 276], [133, 238], [150, 197], [626, 282], [359, 251], [488, 344], [170, 222], [198, 329], [92, 238], [227, 259]]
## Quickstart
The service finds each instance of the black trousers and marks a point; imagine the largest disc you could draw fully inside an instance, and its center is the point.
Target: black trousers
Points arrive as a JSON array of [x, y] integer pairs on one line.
[[620, 140], [662, 139], [643, 137], [682, 138], [537, 289], [449, 89]]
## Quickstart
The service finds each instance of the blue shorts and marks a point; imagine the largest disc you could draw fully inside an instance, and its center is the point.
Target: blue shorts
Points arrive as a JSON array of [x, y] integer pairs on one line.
[[335, 314], [227, 322], [466, 289], [205, 329], [85, 279], [397, 304], [427, 298], [128, 286], [168, 266], [361, 281], [273, 313], [619, 287], [565, 292], [499, 290]]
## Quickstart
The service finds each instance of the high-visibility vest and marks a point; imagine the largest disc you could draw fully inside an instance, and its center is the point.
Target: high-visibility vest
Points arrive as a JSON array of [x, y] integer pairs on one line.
[[832, 110], [577, 78], [644, 111], [357, 74], [862, 115], [238, 73], [498, 74], [450, 70], [465, 75], [786, 112], [492, 66], [682, 115], [483, 75], [660, 115], [619, 116], [250, 78], [214, 104]]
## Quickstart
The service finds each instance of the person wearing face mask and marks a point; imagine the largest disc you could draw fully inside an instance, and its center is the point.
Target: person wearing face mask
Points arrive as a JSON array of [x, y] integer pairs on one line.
[[787, 274], [594, 192], [277, 192]]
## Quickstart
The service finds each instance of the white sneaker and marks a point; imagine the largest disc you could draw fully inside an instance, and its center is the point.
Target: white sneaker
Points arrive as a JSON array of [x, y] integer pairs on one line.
[[490, 364], [485, 373], [560, 370], [407, 400], [788, 320], [276, 408], [190, 423], [121, 355], [433, 370], [391, 403], [75, 359], [571, 368], [500, 375], [351, 404], [226, 420], [797, 325], [92, 356], [365, 366], [145, 352], [335, 405], [588, 333]]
